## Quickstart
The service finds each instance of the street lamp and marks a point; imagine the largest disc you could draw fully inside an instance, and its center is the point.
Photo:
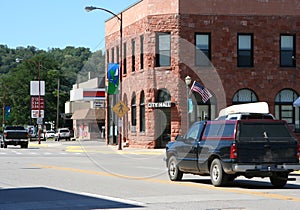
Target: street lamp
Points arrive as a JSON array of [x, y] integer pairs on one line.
[[188, 81], [19, 60], [119, 17]]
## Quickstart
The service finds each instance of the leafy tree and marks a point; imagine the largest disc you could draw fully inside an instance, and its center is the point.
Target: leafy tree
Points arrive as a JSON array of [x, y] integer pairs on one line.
[[69, 65]]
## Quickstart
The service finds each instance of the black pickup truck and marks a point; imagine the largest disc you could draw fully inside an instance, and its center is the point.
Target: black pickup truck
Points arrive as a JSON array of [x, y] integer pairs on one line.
[[225, 149], [14, 135]]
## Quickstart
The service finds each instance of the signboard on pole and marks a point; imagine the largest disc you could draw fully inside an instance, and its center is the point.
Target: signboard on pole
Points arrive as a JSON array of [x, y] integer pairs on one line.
[[37, 102], [39, 121], [34, 88], [120, 109], [35, 114]]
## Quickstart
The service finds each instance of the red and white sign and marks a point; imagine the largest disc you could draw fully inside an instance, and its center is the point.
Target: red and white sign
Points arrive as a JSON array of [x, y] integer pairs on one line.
[[35, 105], [35, 114]]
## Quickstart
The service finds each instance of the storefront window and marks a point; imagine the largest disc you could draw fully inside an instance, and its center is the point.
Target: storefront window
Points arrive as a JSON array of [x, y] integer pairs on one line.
[[284, 109]]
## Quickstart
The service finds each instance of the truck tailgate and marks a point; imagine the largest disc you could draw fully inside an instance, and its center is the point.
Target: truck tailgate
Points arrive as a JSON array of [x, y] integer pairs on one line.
[[16, 135], [266, 142], [267, 152]]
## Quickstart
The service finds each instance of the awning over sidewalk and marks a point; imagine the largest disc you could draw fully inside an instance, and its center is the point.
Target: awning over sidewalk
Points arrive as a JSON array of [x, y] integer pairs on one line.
[[89, 114], [297, 102]]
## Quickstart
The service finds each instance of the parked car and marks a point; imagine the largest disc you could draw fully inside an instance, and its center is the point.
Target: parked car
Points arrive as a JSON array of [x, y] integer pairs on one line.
[[63, 133], [50, 134]]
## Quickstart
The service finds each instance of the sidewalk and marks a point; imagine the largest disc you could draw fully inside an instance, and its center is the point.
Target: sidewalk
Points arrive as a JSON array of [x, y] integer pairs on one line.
[[97, 146]]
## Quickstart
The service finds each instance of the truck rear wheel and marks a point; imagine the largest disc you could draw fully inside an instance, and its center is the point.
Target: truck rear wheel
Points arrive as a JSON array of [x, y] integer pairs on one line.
[[217, 175], [173, 171], [279, 180]]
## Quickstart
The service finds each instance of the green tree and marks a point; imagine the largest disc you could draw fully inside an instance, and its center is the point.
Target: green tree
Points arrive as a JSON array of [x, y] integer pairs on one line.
[[69, 65]]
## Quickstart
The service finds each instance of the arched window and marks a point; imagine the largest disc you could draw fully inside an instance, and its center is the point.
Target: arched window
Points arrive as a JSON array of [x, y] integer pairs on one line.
[[133, 112], [163, 95], [284, 109], [142, 112], [244, 96]]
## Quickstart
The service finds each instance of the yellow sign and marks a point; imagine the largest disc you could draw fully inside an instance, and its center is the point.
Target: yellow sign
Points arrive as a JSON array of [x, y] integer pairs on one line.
[[120, 109]]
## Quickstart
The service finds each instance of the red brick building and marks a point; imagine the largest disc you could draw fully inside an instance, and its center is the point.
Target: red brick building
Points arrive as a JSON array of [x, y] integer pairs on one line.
[[241, 51]]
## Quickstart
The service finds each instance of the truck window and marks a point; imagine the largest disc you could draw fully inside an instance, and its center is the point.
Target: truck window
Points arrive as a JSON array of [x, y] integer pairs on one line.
[[219, 130], [273, 131], [194, 131]]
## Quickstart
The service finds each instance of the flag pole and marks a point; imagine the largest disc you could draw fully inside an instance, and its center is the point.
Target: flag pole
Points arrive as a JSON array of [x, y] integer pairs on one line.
[[191, 88]]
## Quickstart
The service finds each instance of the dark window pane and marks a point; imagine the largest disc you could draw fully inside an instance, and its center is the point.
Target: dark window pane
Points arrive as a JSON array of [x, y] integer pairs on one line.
[[286, 58]]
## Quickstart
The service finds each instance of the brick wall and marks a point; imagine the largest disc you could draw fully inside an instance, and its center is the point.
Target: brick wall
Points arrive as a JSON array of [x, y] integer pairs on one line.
[[266, 78], [265, 19]]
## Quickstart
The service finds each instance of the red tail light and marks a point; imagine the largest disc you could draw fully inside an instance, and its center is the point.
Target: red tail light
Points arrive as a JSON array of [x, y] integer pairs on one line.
[[298, 151], [233, 151]]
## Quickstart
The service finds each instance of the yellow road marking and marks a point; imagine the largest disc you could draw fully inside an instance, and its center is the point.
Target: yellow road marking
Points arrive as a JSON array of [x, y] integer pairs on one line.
[[188, 184], [111, 151], [37, 145]]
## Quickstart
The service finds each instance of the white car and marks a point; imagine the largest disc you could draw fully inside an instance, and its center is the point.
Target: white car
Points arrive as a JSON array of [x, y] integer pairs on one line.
[[50, 134], [63, 133]]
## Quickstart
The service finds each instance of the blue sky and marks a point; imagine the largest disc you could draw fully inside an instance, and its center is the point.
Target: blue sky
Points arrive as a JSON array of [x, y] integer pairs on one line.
[[48, 24]]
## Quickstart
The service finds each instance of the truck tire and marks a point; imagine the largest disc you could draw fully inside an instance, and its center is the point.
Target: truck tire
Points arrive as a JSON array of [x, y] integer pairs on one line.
[[279, 180], [173, 171], [217, 175], [24, 145]]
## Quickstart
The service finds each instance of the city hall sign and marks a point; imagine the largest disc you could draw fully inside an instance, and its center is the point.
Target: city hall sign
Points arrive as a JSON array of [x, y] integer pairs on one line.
[[166, 104]]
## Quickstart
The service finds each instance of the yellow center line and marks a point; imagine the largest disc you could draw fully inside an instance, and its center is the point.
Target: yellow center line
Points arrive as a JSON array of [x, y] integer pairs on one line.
[[82, 149], [188, 184]]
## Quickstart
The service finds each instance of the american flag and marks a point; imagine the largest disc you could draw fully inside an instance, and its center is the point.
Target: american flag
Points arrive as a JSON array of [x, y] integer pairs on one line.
[[204, 93]]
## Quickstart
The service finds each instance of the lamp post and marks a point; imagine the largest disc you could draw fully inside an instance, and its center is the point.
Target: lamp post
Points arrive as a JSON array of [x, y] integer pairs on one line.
[[119, 17], [188, 81], [19, 60]]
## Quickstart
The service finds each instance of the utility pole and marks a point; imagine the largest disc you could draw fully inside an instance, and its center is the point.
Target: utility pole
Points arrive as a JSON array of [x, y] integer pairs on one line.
[[4, 104], [57, 104]]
